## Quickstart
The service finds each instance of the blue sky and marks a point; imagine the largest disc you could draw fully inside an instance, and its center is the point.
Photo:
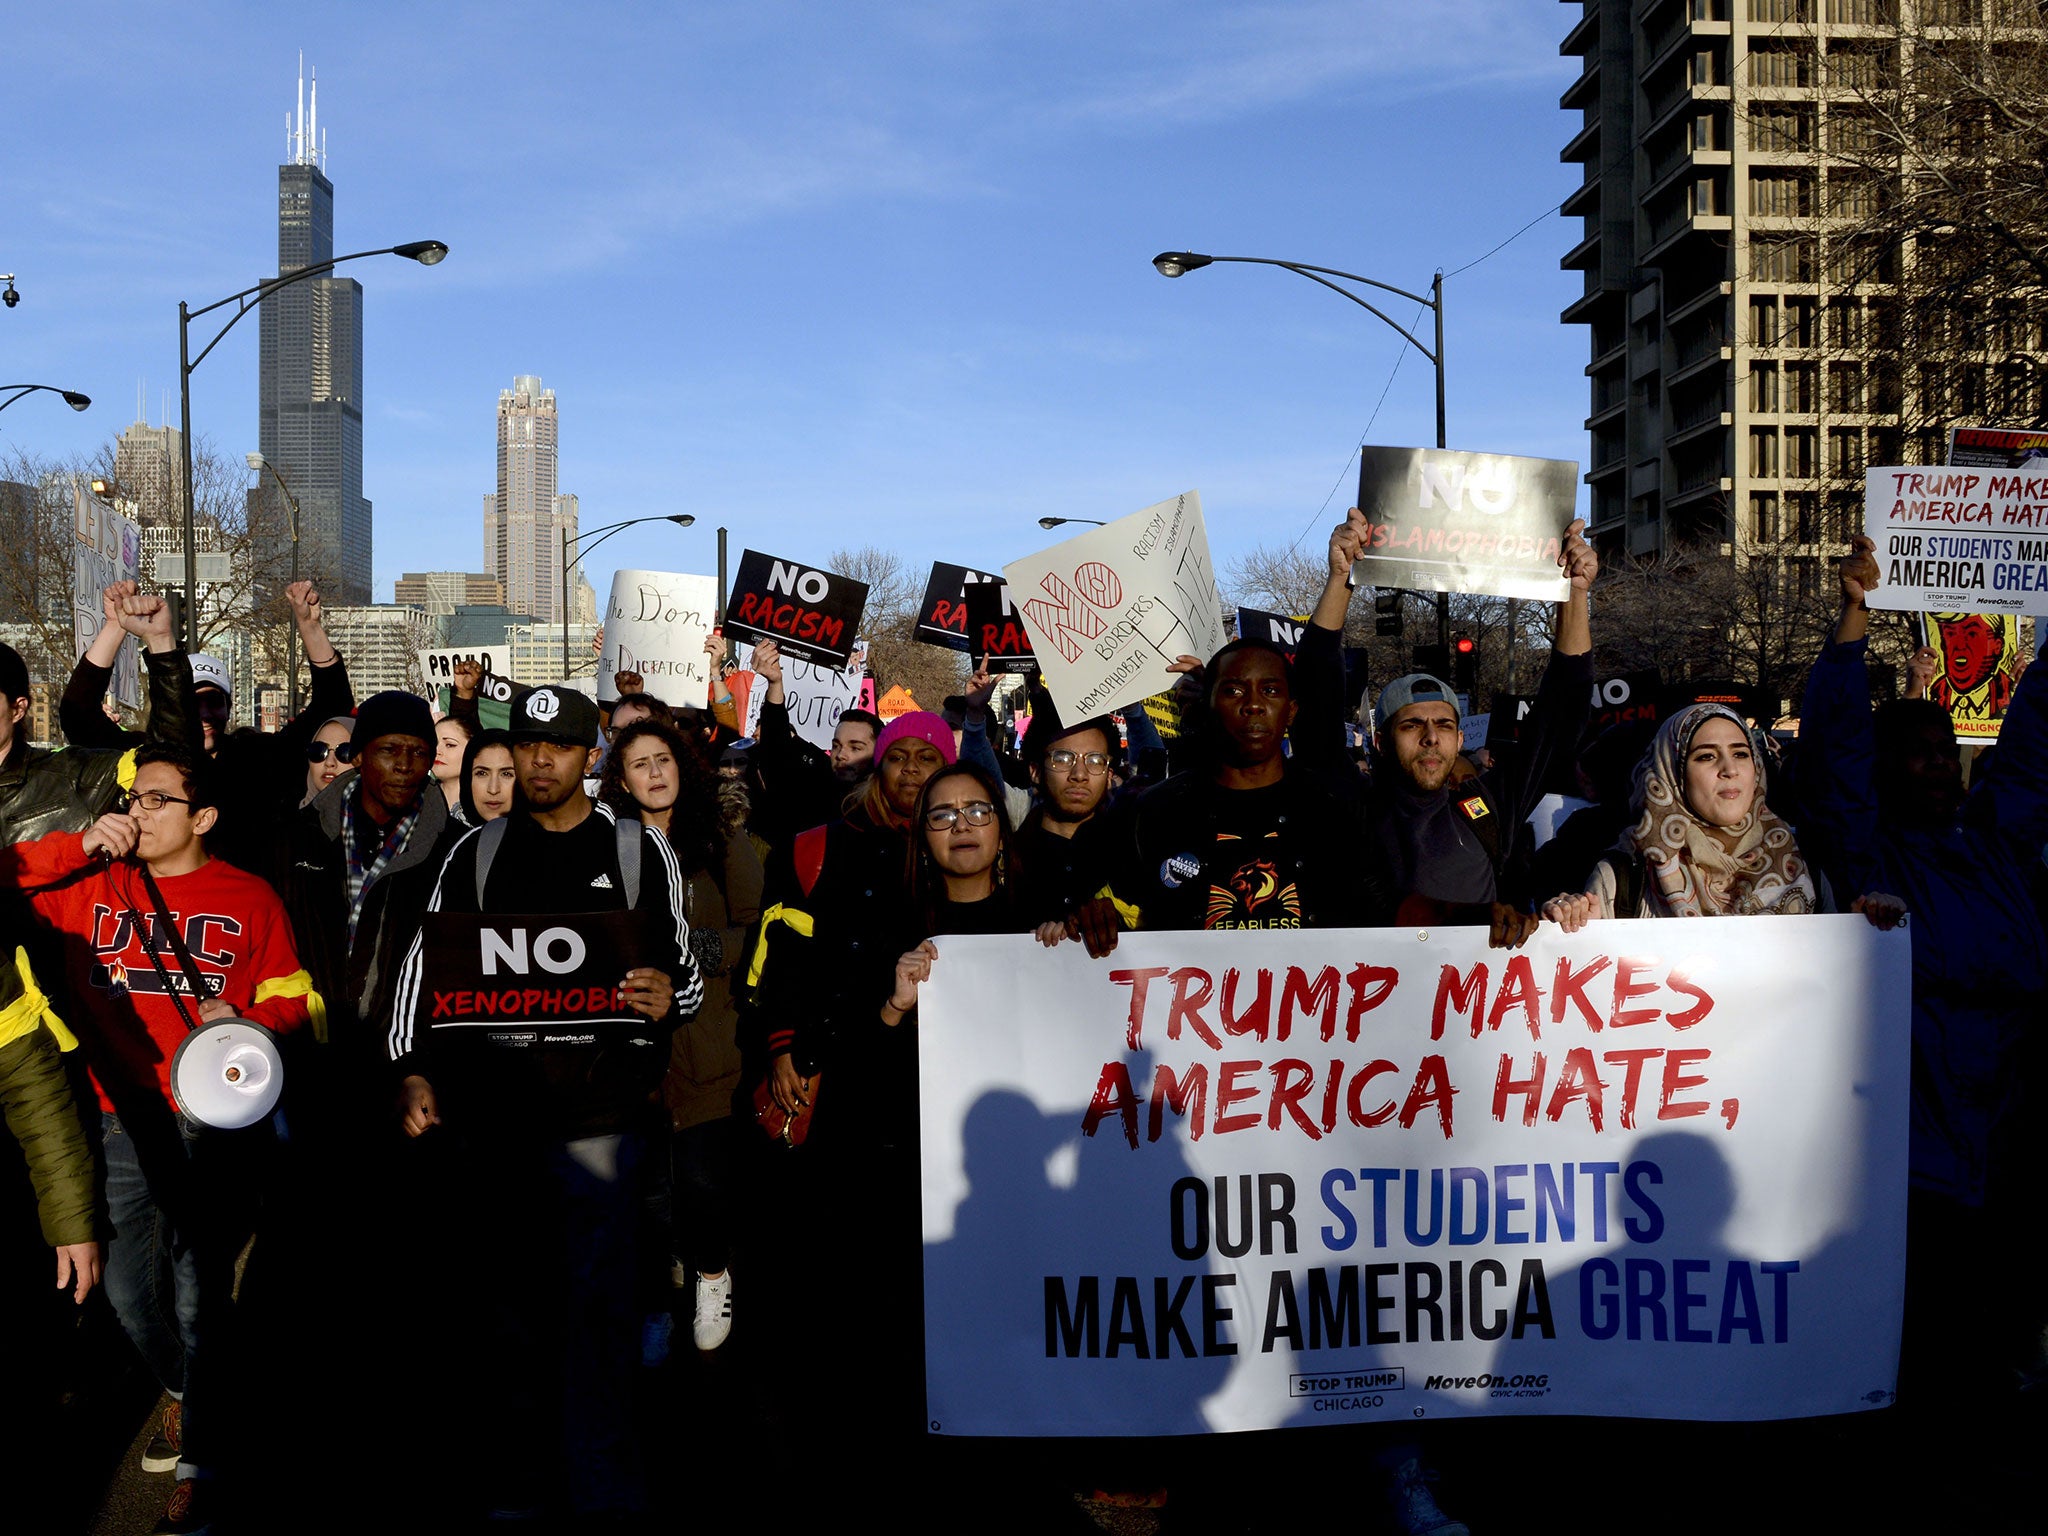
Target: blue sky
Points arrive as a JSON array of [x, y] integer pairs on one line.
[[827, 274]]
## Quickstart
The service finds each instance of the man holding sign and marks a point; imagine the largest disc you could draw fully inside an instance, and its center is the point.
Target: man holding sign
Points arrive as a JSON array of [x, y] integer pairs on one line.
[[548, 1098]]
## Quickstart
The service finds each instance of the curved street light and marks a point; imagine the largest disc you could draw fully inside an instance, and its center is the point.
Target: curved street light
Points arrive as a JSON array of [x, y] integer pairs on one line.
[[258, 463], [72, 397], [1061, 522], [597, 536], [427, 253], [1179, 263]]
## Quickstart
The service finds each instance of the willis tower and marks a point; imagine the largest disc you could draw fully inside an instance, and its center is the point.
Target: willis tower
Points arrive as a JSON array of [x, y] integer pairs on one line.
[[310, 393]]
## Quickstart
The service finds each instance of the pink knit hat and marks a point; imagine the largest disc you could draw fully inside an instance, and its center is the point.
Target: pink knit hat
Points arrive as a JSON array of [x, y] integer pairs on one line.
[[924, 726]]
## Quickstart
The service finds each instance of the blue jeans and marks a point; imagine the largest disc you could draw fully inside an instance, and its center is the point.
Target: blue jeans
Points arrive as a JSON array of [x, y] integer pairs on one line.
[[562, 1222], [180, 1206]]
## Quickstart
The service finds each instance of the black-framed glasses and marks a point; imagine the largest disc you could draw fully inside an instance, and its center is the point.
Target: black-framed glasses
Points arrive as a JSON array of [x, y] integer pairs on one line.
[[1089, 764], [151, 800], [943, 818]]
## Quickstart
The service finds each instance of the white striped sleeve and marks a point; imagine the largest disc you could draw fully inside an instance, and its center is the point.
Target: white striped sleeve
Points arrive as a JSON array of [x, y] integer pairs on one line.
[[689, 986], [398, 1039]]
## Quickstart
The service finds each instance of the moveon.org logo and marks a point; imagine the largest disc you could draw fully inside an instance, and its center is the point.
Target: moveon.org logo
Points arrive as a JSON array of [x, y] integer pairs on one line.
[[1473, 1383]]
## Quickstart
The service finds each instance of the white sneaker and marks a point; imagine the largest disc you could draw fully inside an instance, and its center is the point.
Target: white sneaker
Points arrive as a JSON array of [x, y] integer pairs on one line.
[[713, 1320]]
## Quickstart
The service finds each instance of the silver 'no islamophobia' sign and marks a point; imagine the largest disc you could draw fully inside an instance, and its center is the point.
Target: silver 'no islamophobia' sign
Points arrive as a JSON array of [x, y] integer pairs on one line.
[[1449, 521]]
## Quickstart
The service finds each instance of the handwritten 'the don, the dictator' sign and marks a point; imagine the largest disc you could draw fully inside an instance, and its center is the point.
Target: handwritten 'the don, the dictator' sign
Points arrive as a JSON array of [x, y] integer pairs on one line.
[[806, 611], [1232, 1181]]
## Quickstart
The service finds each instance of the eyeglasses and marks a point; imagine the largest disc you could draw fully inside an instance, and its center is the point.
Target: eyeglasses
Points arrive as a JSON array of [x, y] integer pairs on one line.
[[151, 800], [1088, 764], [320, 751], [943, 818]]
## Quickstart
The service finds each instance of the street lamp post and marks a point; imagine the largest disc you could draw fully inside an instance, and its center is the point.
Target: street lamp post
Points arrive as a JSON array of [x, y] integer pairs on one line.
[[72, 397], [1178, 263], [1061, 522], [291, 639], [597, 536], [426, 252]]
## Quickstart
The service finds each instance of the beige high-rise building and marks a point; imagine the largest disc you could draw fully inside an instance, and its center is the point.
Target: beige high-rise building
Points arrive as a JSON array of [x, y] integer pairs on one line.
[[1731, 403], [442, 592], [149, 472], [525, 521]]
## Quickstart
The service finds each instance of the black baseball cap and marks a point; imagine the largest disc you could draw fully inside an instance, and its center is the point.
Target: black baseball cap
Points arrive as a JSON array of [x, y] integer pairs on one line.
[[556, 713]]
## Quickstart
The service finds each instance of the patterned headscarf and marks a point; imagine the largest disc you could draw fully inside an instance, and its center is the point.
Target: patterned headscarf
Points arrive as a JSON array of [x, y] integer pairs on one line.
[[1688, 870]]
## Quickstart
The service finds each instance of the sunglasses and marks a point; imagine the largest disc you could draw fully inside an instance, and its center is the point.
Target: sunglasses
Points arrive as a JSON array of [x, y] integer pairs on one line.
[[320, 751]]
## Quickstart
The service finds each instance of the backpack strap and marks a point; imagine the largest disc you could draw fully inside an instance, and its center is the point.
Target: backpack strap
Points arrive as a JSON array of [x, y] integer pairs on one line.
[[630, 848], [809, 853], [487, 844]]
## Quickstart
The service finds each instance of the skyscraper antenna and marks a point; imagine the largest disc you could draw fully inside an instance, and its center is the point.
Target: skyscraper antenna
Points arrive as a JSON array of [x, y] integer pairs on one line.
[[299, 132], [313, 125]]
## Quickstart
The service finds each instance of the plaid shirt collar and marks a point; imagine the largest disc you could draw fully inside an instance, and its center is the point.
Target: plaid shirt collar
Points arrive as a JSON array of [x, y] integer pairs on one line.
[[360, 874]]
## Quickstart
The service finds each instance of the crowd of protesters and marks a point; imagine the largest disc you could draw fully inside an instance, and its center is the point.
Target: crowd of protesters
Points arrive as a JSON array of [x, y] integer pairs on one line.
[[753, 1149]]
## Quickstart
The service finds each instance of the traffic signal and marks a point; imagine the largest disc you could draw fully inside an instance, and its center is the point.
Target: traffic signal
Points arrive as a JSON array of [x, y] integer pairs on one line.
[[1386, 608], [1433, 659], [1464, 662]]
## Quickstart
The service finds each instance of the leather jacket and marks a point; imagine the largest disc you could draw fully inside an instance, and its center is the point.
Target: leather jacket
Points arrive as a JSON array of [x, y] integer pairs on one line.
[[68, 788]]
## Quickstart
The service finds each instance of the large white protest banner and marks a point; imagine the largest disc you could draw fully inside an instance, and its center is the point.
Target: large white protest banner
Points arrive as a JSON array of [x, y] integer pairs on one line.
[[1237, 1181], [106, 548], [815, 696], [656, 623], [1109, 609], [1959, 540]]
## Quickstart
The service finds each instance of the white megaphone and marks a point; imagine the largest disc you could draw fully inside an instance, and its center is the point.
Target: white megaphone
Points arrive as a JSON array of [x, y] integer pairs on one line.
[[228, 1075]]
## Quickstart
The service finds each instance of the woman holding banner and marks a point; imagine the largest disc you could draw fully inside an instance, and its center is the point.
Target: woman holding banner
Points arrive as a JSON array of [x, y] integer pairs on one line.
[[1704, 842]]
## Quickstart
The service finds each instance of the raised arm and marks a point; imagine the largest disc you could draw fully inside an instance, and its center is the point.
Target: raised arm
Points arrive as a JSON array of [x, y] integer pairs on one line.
[[1838, 819]]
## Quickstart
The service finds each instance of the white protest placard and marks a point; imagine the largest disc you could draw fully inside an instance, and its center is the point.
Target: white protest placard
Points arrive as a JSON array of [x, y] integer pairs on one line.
[[106, 548], [815, 696], [1970, 540], [656, 623], [437, 667], [1244, 1181], [1109, 609]]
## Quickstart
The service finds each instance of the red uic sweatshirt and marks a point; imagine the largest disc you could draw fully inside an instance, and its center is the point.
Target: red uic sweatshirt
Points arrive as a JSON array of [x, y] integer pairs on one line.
[[232, 924]]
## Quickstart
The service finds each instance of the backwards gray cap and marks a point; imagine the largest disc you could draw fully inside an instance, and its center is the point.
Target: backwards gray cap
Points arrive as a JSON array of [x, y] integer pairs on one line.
[[1415, 688]]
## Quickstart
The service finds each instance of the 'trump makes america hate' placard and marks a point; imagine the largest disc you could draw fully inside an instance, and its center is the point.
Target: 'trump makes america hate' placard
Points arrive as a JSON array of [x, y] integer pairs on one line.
[[1959, 540], [807, 611], [942, 617], [656, 624], [1444, 521], [1241, 1181], [1109, 610]]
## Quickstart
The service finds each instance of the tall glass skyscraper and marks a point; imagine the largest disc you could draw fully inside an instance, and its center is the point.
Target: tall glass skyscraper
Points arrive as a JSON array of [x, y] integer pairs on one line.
[[310, 394]]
